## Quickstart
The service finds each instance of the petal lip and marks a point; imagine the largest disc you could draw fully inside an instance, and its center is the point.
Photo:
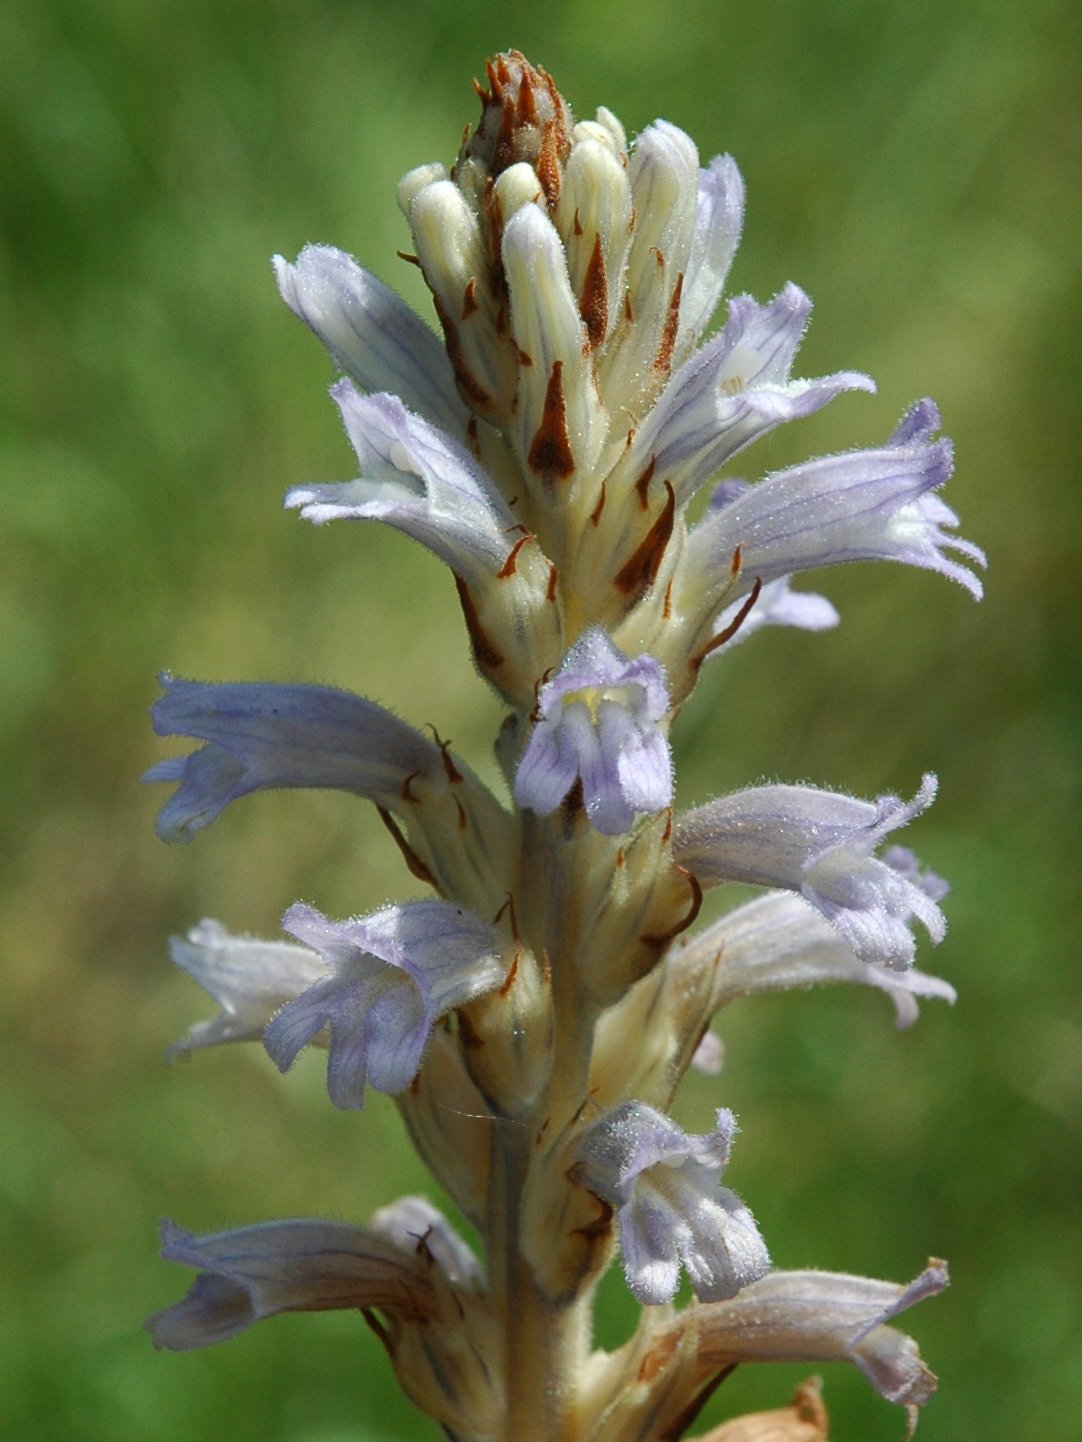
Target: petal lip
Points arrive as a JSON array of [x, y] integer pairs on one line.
[[670, 1210]]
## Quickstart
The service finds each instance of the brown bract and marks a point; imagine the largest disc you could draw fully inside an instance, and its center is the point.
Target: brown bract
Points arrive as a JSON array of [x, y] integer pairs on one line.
[[523, 117]]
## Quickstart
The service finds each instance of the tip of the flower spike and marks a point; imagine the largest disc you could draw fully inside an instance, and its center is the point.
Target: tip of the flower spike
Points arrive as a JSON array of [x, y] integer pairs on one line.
[[523, 118]]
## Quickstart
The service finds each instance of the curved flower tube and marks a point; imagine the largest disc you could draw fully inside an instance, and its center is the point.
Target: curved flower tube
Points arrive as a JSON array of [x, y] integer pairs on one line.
[[777, 943], [418, 480], [869, 505], [822, 1317], [719, 219], [252, 1273], [372, 333], [262, 736]]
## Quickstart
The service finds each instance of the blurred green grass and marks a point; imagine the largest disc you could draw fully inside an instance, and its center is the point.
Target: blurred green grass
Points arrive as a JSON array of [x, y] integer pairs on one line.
[[916, 169]]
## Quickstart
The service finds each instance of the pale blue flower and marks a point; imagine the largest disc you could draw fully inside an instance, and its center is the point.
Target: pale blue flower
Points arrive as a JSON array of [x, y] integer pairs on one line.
[[671, 1212], [825, 1317], [820, 844], [251, 1273], [777, 943], [863, 505], [249, 978], [418, 480], [266, 736], [732, 391], [372, 333], [598, 724], [395, 973]]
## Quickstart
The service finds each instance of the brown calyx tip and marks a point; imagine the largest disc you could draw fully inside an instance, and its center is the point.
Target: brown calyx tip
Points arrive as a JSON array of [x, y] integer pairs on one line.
[[640, 571], [509, 566], [469, 387], [413, 862], [594, 302], [450, 769], [730, 630], [658, 941], [550, 450], [642, 485], [599, 1226], [488, 656], [595, 514], [508, 910], [663, 358]]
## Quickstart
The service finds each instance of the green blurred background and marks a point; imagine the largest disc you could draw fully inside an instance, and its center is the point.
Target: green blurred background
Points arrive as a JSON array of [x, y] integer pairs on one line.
[[915, 167]]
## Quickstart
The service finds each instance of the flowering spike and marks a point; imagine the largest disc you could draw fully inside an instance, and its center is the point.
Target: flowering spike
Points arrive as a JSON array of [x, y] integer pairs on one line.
[[550, 452]]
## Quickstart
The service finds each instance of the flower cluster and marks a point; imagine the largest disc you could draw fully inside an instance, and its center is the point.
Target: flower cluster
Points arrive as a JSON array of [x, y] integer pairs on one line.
[[533, 1011]]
